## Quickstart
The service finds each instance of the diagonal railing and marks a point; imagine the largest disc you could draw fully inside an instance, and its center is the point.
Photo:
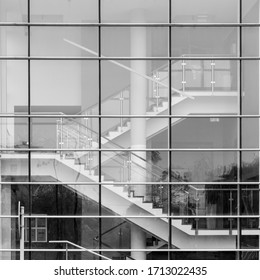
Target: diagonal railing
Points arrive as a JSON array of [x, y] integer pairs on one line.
[[66, 242]]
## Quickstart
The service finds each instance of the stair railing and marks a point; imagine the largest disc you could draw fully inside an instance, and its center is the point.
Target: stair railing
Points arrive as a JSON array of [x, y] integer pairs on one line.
[[67, 243], [125, 159]]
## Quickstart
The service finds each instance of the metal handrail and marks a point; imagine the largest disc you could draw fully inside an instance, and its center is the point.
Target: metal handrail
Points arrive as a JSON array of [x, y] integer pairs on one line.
[[79, 247], [139, 157]]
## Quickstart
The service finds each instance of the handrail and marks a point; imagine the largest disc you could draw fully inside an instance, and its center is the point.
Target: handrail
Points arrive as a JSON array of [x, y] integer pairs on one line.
[[80, 247], [127, 68], [104, 100], [139, 157], [107, 231]]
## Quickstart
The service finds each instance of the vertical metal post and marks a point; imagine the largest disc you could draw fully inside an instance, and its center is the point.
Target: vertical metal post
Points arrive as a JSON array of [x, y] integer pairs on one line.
[[129, 173], [29, 125], [121, 99], [67, 139], [61, 136], [99, 131], [212, 75], [183, 64], [197, 213], [239, 160], [230, 212], [67, 253], [21, 217], [78, 136], [169, 193]]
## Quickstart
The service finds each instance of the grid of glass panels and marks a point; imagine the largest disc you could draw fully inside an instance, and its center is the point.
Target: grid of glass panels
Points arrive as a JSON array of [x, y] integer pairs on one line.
[[132, 127]]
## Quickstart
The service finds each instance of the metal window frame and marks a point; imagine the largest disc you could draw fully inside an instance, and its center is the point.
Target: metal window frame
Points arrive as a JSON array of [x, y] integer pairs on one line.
[[170, 26]]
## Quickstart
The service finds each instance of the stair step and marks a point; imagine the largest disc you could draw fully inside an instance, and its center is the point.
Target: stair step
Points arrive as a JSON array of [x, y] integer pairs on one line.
[[113, 134], [179, 224], [122, 129]]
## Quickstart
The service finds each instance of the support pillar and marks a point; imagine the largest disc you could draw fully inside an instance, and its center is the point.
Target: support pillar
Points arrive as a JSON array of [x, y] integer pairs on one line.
[[138, 241], [138, 125]]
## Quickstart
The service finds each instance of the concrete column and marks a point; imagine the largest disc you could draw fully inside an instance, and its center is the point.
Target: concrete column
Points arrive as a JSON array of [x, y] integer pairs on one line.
[[138, 241], [138, 125]]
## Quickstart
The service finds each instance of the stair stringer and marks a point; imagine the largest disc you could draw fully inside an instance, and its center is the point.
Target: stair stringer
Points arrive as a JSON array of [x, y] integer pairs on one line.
[[52, 165], [199, 106]]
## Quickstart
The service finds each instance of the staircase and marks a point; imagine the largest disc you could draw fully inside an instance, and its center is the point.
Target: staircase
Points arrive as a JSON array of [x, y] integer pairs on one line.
[[82, 166]]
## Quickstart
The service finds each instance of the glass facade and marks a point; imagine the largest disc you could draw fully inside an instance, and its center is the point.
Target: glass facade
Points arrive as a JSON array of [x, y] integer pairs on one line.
[[129, 129]]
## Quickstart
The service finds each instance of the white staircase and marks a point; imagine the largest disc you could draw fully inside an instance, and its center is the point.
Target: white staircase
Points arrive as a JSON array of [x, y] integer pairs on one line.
[[116, 199], [80, 166]]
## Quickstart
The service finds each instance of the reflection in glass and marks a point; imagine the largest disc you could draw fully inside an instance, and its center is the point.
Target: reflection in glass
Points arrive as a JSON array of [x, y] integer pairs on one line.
[[66, 86], [123, 81], [203, 133], [64, 133], [207, 41], [13, 133], [213, 76], [249, 9], [13, 94], [17, 37], [64, 41], [129, 37], [250, 97], [134, 11], [204, 11], [13, 10], [64, 11]]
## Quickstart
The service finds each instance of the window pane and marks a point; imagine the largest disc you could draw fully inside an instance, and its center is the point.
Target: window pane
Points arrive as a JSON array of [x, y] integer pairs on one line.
[[64, 11], [67, 86], [200, 166], [64, 41], [13, 10], [134, 41], [123, 81], [137, 11], [14, 87], [204, 41], [250, 9], [250, 87], [205, 11], [204, 133]]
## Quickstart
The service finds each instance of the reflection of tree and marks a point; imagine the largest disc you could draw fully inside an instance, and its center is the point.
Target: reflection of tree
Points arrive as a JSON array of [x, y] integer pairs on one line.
[[181, 197]]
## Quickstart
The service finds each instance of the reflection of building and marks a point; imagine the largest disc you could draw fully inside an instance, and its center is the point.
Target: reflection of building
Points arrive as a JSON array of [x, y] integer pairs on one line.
[[97, 109]]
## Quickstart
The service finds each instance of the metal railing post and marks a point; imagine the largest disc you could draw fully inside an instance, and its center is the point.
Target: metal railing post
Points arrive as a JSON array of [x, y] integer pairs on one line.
[[61, 136], [21, 217], [156, 78], [121, 99], [230, 212], [212, 75], [197, 212], [129, 173], [67, 252], [183, 64]]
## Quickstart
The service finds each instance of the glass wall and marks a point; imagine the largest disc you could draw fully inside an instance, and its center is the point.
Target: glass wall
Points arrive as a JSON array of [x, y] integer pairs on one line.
[[129, 129]]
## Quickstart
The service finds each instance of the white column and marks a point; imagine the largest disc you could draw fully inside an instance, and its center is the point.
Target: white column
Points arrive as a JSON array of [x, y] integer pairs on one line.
[[138, 126], [138, 241]]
